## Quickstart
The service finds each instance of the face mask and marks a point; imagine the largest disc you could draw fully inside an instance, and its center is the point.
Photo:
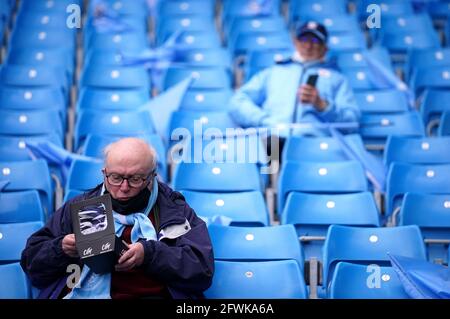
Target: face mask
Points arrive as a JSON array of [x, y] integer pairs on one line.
[[133, 205]]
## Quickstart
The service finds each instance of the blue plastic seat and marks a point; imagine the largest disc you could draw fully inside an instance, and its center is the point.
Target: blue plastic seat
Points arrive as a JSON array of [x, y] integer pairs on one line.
[[259, 25], [217, 177], [404, 178], [204, 9], [112, 123], [247, 42], [203, 77], [335, 24], [47, 6], [243, 208], [326, 177], [197, 40], [167, 26], [369, 246], [420, 22], [444, 126], [436, 77], [84, 175], [14, 148], [376, 128], [71, 193], [16, 98], [349, 60], [197, 123], [317, 149], [420, 59], [389, 8], [232, 243], [312, 214], [275, 279], [382, 101], [44, 38], [311, 10], [206, 100], [350, 281], [118, 100], [25, 123], [19, 207], [431, 214], [41, 20], [401, 43], [15, 283], [29, 175], [414, 150], [124, 8], [14, 238], [129, 41], [34, 76], [432, 108], [352, 42], [114, 77], [95, 145], [213, 57]]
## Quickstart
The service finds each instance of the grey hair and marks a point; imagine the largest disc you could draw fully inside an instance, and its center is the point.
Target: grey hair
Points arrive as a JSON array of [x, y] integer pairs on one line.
[[152, 158]]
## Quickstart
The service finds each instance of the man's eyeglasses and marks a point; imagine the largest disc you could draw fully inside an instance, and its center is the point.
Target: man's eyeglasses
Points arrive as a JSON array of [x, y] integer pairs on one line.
[[135, 181], [309, 39]]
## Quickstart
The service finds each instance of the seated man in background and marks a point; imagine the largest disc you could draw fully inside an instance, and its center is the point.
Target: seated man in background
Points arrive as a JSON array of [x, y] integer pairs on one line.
[[280, 95], [170, 253]]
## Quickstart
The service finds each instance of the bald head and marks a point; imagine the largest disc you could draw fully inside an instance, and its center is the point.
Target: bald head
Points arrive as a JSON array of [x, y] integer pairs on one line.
[[130, 154]]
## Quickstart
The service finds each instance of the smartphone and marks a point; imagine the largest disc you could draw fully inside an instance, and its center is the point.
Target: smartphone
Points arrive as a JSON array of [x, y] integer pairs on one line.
[[312, 79], [120, 247]]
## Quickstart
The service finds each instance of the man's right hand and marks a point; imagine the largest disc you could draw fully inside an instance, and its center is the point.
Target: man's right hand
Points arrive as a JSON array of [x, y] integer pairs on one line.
[[68, 245]]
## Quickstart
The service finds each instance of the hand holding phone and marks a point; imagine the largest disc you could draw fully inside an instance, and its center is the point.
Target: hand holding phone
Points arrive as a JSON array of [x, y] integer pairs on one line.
[[312, 79]]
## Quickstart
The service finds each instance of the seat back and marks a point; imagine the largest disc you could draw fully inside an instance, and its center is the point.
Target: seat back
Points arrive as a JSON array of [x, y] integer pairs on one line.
[[15, 284], [14, 238], [22, 206]]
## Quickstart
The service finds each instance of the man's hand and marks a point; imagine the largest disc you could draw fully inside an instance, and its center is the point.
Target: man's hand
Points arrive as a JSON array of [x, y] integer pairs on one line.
[[68, 246], [309, 94], [132, 258]]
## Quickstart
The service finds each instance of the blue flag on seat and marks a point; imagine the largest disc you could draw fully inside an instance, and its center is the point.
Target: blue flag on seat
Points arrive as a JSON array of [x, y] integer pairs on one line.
[[163, 105], [156, 60], [55, 155], [422, 279], [383, 78], [107, 20]]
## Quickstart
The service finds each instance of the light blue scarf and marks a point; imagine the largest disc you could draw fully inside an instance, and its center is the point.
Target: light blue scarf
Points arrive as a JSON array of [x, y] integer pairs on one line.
[[98, 286]]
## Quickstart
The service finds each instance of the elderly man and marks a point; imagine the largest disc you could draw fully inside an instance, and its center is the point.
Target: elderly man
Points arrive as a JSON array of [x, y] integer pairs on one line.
[[281, 94], [176, 262]]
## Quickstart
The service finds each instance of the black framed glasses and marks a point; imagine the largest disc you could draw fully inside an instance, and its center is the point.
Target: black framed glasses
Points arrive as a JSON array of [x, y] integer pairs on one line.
[[309, 39], [135, 181]]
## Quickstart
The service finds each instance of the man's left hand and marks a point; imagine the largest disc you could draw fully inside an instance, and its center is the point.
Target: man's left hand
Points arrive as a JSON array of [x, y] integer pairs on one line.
[[309, 94], [132, 258]]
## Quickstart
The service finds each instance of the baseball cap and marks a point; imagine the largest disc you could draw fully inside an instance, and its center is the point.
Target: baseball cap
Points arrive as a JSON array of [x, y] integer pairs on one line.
[[314, 28]]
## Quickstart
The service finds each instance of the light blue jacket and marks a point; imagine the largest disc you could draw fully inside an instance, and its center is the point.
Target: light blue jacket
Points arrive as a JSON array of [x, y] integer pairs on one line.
[[270, 97]]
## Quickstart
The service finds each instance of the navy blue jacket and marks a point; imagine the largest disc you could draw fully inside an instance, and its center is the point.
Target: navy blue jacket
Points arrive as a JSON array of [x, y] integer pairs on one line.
[[185, 264]]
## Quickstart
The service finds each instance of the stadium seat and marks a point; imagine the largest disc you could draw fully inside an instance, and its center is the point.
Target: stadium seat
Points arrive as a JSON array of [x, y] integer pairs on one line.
[[422, 59], [431, 214], [311, 10], [232, 243], [369, 246], [382, 101], [243, 208], [170, 24], [312, 214], [117, 100], [112, 123], [206, 100], [14, 148], [259, 60], [431, 108], [444, 126], [15, 283], [389, 8], [275, 279], [14, 238], [436, 77], [353, 281], [20, 207], [127, 41], [351, 60], [27, 123], [44, 38], [326, 177], [353, 42], [84, 175], [247, 42], [217, 177], [114, 77], [376, 128], [403, 178], [29, 175], [124, 8], [415, 150], [47, 6], [199, 8], [317, 149], [197, 40]]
